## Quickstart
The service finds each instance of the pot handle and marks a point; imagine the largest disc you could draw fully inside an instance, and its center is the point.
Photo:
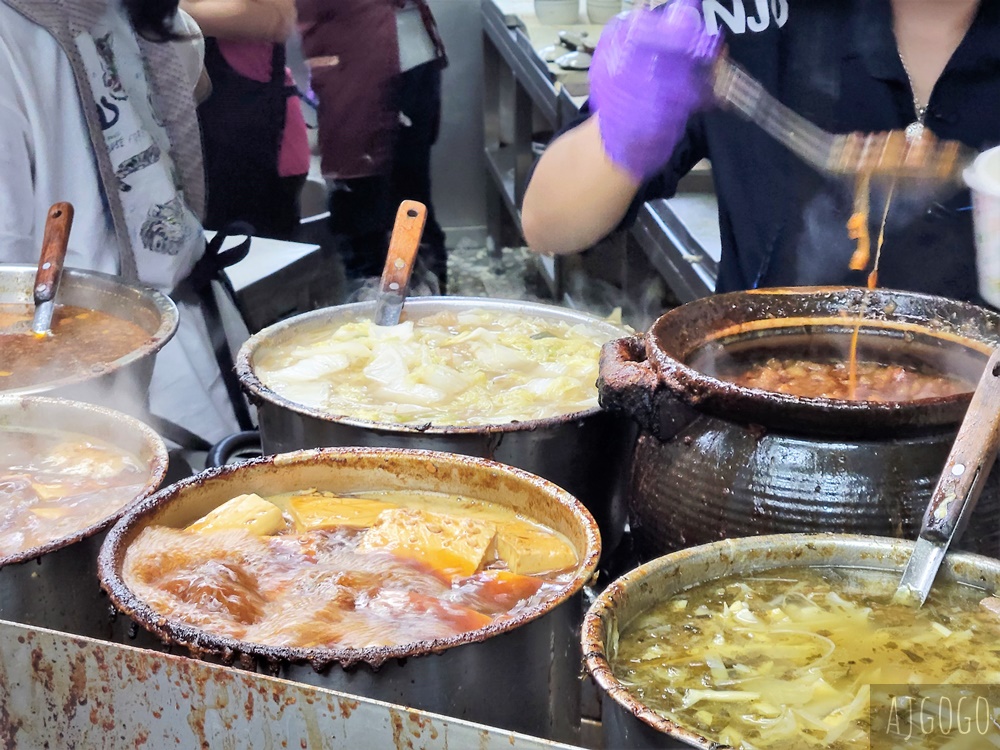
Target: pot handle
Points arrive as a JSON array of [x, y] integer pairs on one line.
[[628, 383]]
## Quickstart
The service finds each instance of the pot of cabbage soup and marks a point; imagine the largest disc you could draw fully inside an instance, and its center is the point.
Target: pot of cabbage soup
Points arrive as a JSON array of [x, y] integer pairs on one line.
[[511, 381]]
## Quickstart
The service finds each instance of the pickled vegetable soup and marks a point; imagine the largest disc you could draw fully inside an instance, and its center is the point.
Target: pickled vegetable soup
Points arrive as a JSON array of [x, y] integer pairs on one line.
[[314, 569], [784, 660], [81, 340], [54, 484], [473, 367]]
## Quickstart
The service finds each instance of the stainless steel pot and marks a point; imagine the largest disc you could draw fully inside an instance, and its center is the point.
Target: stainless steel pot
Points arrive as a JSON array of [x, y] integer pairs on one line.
[[719, 460], [586, 453], [626, 722], [521, 675], [123, 382], [55, 586]]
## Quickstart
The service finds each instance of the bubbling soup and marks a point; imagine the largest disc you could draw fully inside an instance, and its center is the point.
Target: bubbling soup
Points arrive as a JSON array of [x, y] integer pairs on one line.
[[474, 367], [312, 569], [54, 484], [786, 659]]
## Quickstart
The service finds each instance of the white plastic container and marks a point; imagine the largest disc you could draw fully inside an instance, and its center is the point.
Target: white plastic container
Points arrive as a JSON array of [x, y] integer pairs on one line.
[[558, 12], [983, 179], [601, 11]]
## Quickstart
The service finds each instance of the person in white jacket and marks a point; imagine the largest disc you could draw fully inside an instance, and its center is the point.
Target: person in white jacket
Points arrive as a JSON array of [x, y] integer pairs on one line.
[[97, 108]]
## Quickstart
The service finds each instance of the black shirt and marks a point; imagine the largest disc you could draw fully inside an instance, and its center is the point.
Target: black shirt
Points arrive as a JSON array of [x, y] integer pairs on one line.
[[836, 62]]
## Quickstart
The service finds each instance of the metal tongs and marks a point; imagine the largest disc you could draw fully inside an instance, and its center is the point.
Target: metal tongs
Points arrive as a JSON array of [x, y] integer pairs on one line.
[[959, 487], [891, 154]]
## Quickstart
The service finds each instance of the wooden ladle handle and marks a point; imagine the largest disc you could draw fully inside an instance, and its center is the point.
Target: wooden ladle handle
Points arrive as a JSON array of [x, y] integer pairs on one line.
[[54, 243], [403, 246]]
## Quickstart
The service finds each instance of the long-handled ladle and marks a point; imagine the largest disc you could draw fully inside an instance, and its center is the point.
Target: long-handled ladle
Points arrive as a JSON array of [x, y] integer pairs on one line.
[[403, 246], [959, 487]]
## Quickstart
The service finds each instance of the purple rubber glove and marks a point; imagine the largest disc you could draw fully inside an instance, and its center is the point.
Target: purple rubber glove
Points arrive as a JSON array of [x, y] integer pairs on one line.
[[649, 74]]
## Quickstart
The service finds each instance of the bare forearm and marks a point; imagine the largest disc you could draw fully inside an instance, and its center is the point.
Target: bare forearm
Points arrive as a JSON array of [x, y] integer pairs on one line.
[[248, 20], [576, 196]]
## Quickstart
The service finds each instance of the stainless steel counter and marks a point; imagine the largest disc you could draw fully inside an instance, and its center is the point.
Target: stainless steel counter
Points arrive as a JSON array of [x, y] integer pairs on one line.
[[525, 100], [64, 691]]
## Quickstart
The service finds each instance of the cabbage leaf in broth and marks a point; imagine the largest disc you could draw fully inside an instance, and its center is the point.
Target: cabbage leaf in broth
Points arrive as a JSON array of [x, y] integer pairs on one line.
[[474, 367]]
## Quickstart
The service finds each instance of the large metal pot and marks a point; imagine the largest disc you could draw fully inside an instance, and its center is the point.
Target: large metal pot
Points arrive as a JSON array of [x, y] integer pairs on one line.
[[55, 586], [521, 675], [123, 382], [718, 460], [626, 722], [585, 453]]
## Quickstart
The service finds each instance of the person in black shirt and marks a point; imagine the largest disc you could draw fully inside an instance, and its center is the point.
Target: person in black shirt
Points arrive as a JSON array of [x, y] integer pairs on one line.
[[847, 65]]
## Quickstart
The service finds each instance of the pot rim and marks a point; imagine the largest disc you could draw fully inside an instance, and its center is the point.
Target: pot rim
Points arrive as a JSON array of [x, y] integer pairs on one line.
[[781, 410], [257, 390], [594, 632], [111, 558], [157, 467], [164, 306]]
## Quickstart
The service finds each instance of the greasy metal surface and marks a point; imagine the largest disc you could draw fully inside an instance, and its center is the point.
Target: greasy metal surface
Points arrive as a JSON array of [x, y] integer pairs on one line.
[[630, 724], [126, 378], [79, 694], [55, 585], [901, 318], [531, 661], [585, 453]]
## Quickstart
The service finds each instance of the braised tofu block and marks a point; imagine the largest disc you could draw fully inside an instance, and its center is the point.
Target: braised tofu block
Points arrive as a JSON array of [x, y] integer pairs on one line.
[[451, 545], [324, 510], [249, 512], [529, 550]]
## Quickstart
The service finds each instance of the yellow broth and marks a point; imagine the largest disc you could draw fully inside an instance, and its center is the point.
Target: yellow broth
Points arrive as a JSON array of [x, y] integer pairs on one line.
[[473, 367], [785, 660], [54, 484], [316, 570]]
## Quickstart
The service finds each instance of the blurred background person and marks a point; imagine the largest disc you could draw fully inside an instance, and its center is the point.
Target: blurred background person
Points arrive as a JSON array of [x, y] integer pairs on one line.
[[97, 108], [255, 141], [376, 68]]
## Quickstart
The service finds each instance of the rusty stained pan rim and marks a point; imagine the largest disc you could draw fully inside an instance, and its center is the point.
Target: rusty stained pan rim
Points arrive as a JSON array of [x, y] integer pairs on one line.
[[201, 642], [686, 380], [157, 467], [165, 308], [256, 388], [594, 629]]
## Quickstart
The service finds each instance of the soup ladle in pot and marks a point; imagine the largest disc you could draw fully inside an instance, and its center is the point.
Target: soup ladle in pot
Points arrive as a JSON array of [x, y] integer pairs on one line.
[[959, 487], [50, 266], [403, 246]]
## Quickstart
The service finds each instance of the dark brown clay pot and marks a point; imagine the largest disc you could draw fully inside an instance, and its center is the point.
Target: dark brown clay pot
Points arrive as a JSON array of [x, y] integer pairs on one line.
[[718, 460]]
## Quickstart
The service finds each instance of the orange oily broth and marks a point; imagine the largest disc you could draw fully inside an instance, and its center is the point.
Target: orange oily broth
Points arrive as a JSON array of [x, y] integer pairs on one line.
[[81, 340], [784, 660], [54, 484], [318, 590], [471, 367]]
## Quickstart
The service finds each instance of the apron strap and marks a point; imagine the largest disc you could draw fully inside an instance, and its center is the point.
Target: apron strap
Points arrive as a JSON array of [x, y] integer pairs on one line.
[[208, 270]]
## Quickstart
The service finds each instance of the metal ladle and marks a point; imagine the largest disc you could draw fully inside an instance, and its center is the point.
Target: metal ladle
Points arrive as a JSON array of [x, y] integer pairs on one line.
[[959, 487], [403, 246]]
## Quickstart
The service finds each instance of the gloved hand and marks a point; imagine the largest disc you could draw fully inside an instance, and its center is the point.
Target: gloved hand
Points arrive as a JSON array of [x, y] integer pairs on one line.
[[649, 74]]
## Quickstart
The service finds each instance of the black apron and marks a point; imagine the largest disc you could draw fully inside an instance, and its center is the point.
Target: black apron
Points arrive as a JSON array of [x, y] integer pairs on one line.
[[242, 124]]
